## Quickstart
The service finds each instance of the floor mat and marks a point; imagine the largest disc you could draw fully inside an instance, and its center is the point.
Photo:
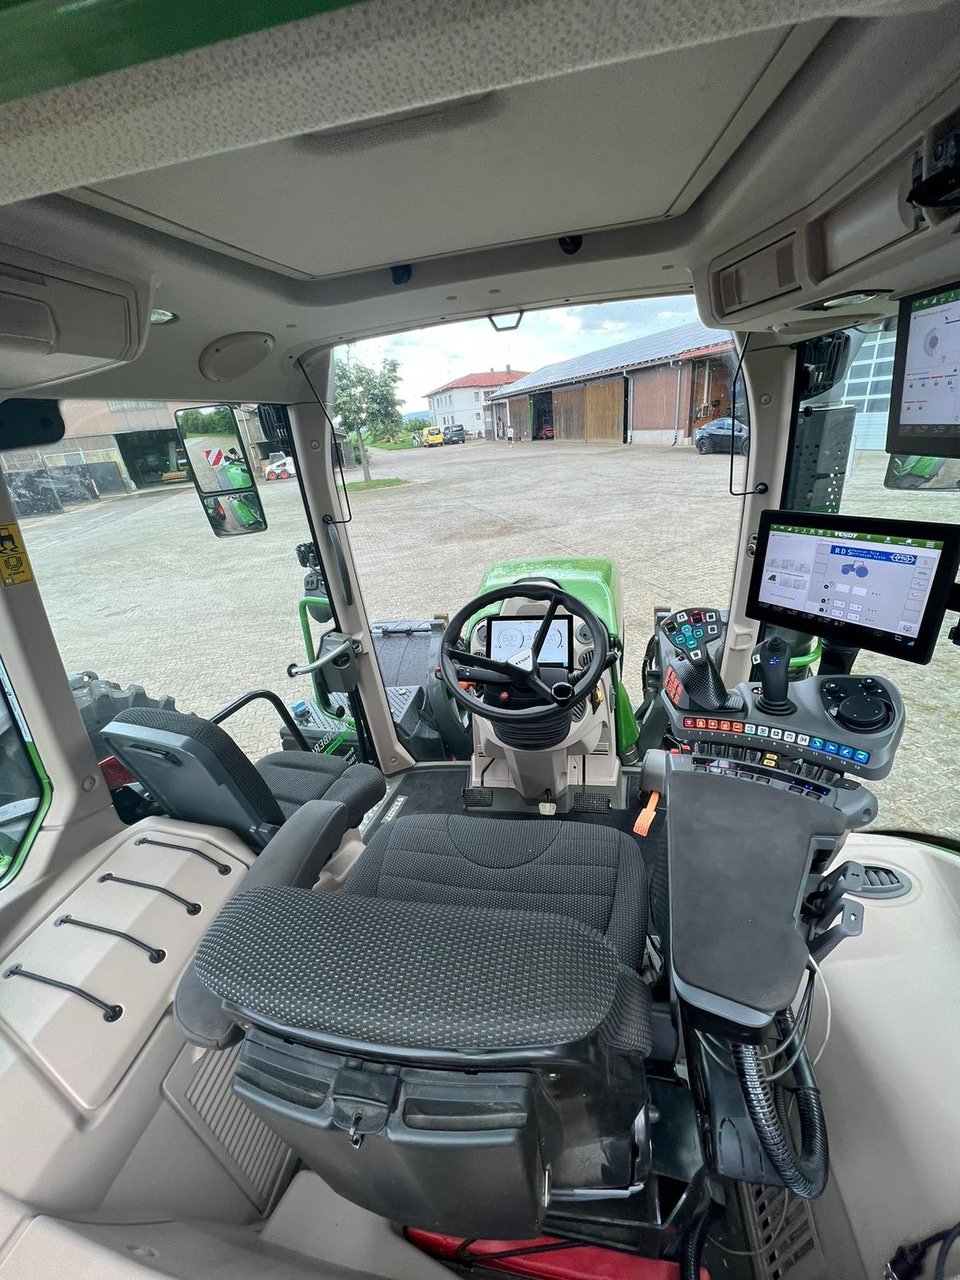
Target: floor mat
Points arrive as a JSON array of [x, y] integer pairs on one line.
[[440, 790]]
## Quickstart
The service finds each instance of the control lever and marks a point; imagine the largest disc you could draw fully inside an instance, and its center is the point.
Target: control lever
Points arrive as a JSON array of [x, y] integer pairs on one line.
[[690, 634], [772, 658]]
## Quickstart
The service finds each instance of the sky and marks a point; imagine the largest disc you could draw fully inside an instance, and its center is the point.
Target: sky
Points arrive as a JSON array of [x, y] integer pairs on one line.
[[429, 358]]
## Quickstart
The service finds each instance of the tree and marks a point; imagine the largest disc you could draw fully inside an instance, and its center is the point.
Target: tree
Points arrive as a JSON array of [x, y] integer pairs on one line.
[[366, 401]]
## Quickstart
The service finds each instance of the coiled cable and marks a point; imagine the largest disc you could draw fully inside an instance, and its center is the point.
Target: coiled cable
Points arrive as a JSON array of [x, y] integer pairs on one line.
[[804, 1170]]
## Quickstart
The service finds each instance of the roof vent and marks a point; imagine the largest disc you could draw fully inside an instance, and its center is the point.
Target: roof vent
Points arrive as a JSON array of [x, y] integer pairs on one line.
[[883, 882]]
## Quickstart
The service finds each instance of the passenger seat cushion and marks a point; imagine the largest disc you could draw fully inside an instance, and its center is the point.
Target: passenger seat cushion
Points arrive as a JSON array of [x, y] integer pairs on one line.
[[410, 975], [589, 873], [297, 777]]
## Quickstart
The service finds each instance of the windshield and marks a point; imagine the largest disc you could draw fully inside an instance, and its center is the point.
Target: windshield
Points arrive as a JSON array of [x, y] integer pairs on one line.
[[587, 433], [837, 463]]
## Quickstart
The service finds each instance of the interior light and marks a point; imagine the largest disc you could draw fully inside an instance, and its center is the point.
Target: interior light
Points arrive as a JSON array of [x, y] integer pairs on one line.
[[159, 315], [847, 300]]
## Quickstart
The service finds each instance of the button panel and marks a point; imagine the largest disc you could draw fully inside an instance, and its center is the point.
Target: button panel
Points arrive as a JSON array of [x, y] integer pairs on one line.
[[691, 629], [764, 735]]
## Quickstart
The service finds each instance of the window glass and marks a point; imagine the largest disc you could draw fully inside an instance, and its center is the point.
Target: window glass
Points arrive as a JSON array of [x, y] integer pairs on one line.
[[845, 447], [138, 589], [24, 788], [596, 440]]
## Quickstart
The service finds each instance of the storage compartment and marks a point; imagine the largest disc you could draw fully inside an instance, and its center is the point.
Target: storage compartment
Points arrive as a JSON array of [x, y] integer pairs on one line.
[[57, 320], [871, 219]]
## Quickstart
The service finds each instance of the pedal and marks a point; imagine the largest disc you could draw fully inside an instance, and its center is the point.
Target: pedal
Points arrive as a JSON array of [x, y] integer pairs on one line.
[[547, 808], [477, 797]]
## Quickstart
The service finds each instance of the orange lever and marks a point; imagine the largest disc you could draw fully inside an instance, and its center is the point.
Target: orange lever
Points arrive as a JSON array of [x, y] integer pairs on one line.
[[646, 815]]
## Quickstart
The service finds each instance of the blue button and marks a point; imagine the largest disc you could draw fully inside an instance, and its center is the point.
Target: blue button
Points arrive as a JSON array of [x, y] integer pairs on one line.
[[691, 642], [831, 748], [861, 757], [847, 753], [687, 628], [817, 744], [698, 632]]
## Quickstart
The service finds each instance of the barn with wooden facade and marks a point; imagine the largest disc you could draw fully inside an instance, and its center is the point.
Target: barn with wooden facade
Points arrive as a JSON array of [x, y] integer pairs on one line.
[[653, 390]]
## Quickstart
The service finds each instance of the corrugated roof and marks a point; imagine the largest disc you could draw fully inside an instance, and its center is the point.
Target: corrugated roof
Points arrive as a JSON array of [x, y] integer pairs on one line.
[[653, 349], [492, 378]]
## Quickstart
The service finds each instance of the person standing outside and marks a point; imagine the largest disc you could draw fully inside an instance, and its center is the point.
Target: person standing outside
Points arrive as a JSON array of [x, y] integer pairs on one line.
[[510, 437]]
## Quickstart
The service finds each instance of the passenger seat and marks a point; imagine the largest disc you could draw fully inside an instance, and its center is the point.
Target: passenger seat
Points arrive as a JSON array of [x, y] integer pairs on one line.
[[196, 772]]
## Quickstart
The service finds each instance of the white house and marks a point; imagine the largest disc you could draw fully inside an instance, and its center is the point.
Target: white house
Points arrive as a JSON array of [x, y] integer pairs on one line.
[[465, 401]]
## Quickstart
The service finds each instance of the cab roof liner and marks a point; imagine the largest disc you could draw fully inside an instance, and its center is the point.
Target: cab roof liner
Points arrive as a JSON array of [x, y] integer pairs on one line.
[[359, 64]]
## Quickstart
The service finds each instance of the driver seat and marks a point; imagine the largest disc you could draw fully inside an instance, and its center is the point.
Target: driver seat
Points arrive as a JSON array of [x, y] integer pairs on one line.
[[459, 1036]]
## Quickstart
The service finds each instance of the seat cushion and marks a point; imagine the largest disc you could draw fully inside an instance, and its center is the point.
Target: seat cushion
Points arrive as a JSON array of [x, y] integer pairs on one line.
[[414, 976], [297, 777], [591, 874]]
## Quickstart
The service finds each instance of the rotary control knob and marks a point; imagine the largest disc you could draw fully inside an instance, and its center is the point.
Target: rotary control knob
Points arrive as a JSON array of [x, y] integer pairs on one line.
[[863, 713]]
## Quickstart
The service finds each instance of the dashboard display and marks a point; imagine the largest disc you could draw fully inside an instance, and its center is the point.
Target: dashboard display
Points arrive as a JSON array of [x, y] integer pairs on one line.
[[925, 394], [510, 638], [872, 584]]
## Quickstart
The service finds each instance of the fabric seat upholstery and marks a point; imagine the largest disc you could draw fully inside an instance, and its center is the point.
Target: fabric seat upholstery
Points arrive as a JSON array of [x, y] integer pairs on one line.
[[591, 874], [297, 777], [270, 792]]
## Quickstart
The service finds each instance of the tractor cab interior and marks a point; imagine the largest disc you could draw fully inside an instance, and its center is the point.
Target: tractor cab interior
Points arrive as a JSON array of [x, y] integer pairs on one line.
[[604, 921]]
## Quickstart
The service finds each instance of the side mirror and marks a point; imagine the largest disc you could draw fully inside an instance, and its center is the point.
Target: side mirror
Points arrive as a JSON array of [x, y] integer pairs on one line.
[[922, 472], [217, 458]]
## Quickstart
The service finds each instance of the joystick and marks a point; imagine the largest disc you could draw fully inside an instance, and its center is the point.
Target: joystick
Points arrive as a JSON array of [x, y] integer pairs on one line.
[[772, 660], [690, 632]]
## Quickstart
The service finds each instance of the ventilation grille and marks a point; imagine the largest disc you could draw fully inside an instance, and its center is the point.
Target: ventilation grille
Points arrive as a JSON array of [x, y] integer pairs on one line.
[[252, 1154], [883, 882], [787, 1244], [585, 659]]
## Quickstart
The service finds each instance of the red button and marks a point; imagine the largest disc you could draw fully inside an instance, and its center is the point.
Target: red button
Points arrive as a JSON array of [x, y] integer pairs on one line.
[[701, 724], [689, 722], [713, 724], [738, 726], [724, 726]]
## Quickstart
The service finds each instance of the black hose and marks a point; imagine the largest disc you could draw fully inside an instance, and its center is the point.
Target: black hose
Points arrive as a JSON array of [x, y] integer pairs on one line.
[[693, 1242], [804, 1171]]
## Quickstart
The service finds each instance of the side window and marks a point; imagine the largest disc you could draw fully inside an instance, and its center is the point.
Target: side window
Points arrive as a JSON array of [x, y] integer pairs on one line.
[[24, 787]]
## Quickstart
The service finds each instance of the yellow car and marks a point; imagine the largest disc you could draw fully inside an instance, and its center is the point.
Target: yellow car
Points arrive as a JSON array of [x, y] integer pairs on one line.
[[432, 436]]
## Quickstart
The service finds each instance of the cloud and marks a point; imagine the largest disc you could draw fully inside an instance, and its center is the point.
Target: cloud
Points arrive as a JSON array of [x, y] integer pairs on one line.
[[428, 358]]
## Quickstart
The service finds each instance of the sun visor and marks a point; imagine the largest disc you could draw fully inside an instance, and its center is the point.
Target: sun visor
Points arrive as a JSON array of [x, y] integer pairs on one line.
[[58, 321]]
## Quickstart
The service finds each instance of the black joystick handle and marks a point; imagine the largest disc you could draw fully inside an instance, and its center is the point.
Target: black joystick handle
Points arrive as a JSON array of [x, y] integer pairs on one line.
[[690, 632], [771, 658]]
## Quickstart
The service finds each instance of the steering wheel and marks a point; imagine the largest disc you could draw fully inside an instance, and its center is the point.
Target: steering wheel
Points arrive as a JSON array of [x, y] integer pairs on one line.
[[523, 670]]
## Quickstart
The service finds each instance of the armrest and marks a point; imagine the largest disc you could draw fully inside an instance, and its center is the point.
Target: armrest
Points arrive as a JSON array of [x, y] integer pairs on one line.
[[294, 857]]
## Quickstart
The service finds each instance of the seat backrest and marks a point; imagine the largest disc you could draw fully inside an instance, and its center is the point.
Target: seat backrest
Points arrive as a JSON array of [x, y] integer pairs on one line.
[[195, 771]]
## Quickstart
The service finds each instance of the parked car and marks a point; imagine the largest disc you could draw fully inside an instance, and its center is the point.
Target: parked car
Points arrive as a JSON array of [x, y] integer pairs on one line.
[[714, 437], [454, 435], [280, 468], [432, 436]]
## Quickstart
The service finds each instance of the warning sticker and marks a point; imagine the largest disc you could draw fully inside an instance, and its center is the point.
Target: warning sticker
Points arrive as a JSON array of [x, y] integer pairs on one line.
[[14, 563]]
